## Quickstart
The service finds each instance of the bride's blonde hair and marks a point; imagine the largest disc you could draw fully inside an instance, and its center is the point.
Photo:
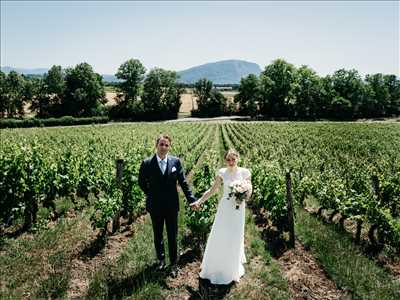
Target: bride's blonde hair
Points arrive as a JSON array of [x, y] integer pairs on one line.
[[232, 152]]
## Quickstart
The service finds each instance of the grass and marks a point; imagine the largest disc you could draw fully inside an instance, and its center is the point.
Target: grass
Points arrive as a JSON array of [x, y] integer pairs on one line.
[[344, 261], [37, 265], [132, 274]]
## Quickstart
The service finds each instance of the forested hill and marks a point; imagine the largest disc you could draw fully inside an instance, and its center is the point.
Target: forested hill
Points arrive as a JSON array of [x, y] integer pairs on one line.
[[221, 72]]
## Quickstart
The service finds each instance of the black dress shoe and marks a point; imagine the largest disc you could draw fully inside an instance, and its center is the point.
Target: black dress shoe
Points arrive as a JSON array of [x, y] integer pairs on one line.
[[161, 266], [174, 270]]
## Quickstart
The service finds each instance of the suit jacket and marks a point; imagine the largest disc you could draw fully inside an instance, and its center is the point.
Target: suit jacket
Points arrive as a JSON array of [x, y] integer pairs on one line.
[[161, 190]]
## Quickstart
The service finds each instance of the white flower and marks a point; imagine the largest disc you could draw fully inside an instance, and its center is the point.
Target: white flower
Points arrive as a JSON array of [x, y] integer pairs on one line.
[[239, 188]]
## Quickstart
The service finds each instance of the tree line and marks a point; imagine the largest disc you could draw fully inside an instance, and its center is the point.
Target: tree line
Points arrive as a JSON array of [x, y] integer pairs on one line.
[[283, 90], [280, 91]]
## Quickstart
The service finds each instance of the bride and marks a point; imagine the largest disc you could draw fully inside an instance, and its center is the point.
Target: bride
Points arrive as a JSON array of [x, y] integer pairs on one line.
[[224, 254]]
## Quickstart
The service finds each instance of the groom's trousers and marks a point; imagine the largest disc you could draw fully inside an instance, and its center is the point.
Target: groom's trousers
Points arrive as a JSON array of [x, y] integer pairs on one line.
[[171, 222]]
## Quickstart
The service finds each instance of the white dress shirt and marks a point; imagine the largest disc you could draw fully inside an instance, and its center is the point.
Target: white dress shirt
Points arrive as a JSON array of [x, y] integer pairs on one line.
[[165, 163]]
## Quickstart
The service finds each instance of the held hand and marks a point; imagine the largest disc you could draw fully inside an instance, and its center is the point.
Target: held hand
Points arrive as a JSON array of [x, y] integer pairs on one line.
[[195, 205], [248, 195]]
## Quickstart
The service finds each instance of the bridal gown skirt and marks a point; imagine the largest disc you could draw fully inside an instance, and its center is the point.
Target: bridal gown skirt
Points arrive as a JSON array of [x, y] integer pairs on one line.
[[224, 254]]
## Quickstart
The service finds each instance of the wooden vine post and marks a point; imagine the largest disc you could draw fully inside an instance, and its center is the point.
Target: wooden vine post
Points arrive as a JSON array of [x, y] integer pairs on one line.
[[119, 173], [289, 200], [376, 189]]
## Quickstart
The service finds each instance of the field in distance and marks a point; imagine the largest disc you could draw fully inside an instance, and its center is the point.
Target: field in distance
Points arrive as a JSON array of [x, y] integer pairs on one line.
[[187, 98]]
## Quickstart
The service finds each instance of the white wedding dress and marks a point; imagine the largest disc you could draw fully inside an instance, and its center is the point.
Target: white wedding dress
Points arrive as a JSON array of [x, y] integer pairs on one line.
[[224, 254]]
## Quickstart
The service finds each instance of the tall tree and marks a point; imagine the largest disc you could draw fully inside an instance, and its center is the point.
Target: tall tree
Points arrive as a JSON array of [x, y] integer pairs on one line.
[[306, 93], [248, 96], [202, 90], [210, 102], [275, 84], [347, 84], [84, 91], [40, 100], [3, 96], [161, 93], [376, 99], [49, 93], [327, 95], [393, 85], [15, 94], [217, 105], [131, 73], [55, 82]]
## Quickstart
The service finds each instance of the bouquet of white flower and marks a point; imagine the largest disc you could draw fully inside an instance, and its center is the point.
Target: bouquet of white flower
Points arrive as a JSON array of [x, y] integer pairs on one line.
[[239, 189]]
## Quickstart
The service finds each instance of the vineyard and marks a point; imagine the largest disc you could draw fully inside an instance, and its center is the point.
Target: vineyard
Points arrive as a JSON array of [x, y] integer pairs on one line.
[[61, 185]]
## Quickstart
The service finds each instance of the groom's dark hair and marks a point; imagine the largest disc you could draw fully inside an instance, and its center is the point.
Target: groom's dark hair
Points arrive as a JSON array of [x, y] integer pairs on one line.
[[163, 136]]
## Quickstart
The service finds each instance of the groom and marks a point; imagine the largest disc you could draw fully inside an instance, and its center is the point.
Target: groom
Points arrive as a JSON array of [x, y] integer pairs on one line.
[[158, 177]]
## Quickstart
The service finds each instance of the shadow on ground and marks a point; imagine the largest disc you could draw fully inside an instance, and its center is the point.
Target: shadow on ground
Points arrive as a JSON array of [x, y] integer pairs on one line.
[[207, 290]]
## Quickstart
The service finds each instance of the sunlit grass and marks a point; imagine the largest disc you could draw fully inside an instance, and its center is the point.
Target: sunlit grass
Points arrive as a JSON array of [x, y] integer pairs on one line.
[[343, 260], [38, 264]]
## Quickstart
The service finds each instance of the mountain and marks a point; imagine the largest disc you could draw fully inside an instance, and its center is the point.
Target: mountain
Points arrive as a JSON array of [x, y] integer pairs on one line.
[[221, 72], [38, 71], [110, 78]]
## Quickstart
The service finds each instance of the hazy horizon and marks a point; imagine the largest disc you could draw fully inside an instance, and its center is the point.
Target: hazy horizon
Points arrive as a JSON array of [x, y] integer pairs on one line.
[[326, 35], [121, 63]]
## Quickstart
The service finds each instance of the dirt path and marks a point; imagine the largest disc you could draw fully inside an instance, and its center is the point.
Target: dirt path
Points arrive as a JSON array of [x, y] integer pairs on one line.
[[305, 276], [307, 280]]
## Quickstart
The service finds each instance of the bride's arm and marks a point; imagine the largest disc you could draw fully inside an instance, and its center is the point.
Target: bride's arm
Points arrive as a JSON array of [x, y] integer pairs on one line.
[[250, 191], [211, 191]]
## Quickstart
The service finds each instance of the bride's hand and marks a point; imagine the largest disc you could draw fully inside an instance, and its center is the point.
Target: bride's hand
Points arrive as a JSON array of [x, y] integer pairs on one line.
[[248, 195], [195, 205]]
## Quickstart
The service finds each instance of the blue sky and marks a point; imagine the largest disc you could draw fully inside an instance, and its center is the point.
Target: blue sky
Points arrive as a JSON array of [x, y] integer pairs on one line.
[[325, 35]]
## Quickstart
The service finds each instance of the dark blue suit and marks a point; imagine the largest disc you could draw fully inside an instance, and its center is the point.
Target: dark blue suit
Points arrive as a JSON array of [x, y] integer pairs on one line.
[[162, 200]]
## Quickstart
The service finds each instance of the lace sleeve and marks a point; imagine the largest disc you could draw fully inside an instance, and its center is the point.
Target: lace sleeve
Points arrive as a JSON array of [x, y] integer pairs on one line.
[[220, 173], [246, 173]]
